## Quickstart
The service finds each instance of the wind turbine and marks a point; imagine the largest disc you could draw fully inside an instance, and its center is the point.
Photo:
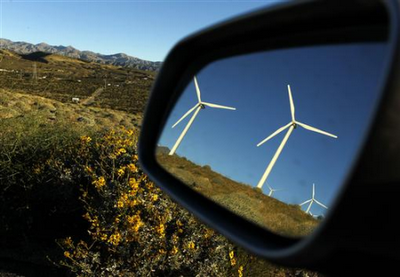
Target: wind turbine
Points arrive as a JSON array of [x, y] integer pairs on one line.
[[199, 106], [291, 125], [312, 200], [271, 190]]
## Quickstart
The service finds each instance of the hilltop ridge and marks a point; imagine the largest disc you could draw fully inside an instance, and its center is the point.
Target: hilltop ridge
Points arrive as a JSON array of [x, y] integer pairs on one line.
[[118, 59]]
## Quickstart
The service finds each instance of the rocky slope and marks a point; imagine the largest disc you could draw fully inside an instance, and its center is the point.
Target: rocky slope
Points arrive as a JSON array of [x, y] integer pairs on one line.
[[118, 59]]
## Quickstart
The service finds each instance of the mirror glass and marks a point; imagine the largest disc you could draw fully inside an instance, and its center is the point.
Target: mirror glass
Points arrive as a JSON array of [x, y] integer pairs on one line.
[[272, 135]]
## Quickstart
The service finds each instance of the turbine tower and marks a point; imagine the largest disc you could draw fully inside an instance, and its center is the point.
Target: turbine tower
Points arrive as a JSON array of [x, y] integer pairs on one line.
[[291, 125], [312, 200], [271, 190], [199, 106]]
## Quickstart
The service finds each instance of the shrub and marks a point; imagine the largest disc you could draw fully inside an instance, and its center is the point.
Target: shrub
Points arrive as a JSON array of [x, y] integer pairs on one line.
[[135, 230], [61, 181]]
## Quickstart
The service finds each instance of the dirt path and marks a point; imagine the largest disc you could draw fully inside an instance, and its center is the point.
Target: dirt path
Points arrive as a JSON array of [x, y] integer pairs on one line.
[[90, 99]]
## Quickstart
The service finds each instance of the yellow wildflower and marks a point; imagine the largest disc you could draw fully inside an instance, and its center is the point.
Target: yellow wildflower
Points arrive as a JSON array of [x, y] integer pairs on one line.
[[115, 239], [233, 262], [135, 157], [130, 219], [129, 132], [121, 172], [132, 203], [103, 237], [68, 242], [86, 139], [67, 254], [154, 197], [120, 151], [232, 257], [99, 183], [191, 245], [162, 251], [120, 204], [240, 271], [150, 185], [136, 223], [133, 168], [133, 183], [161, 230], [174, 250]]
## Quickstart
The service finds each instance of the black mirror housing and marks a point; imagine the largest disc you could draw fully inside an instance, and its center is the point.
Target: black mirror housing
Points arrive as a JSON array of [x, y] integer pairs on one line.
[[359, 223]]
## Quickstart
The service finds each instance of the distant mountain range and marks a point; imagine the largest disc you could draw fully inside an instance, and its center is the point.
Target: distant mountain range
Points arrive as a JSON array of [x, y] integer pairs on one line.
[[119, 59]]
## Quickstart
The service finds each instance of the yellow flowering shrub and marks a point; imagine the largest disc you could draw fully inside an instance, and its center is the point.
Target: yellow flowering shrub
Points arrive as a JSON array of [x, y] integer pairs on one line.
[[87, 191], [134, 228]]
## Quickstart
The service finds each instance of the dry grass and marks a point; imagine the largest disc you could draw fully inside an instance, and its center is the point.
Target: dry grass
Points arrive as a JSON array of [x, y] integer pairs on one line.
[[284, 219], [61, 78], [17, 105]]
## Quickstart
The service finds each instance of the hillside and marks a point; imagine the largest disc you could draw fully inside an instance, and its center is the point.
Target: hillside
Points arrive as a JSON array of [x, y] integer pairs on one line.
[[61, 78], [118, 59], [20, 107], [279, 217]]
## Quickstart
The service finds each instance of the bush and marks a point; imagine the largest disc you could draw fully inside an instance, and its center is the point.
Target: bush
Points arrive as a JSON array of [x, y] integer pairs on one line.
[[135, 230], [86, 187]]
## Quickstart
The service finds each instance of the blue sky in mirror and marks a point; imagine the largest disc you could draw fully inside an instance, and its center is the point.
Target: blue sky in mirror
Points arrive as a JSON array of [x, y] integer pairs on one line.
[[334, 88]]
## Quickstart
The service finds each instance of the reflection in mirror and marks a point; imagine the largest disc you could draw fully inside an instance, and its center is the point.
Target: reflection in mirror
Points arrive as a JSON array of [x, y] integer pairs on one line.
[[272, 135]]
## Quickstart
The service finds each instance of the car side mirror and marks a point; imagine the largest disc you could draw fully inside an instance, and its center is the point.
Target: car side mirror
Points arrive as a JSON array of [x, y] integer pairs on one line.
[[298, 97]]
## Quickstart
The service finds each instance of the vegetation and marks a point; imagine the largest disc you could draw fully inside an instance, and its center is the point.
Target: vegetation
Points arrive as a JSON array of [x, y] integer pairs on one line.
[[249, 202], [73, 200], [94, 181], [61, 78]]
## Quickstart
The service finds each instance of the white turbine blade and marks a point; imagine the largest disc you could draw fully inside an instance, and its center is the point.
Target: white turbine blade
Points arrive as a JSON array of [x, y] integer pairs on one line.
[[218, 106], [322, 205], [313, 191], [292, 110], [274, 134], [197, 89], [308, 201], [305, 126], [185, 115]]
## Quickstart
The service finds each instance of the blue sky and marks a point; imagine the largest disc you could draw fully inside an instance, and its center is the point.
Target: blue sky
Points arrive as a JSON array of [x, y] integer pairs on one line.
[[334, 88], [145, 29]]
